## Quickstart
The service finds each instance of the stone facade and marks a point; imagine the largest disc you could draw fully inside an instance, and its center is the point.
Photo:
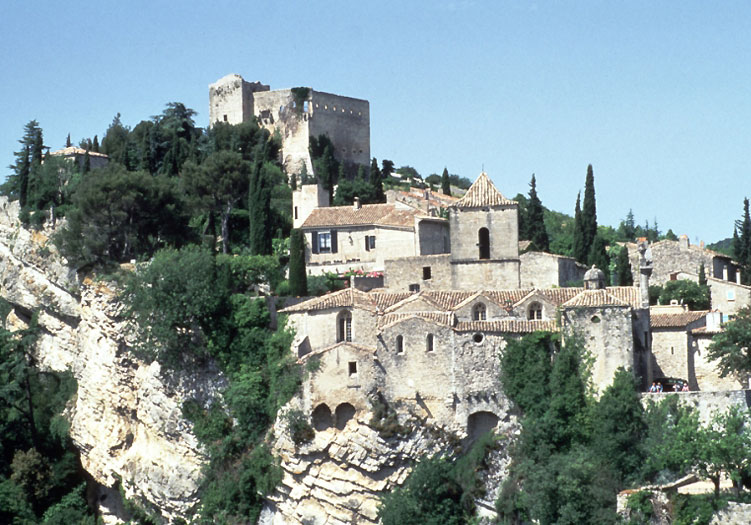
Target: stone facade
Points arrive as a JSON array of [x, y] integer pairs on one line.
[[78, 155], [543, 270], [297, 114], [430, 272], [726, 296]]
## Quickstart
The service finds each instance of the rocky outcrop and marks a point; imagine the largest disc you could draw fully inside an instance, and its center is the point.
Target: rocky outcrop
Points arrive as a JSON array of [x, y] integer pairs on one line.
[[126, 415]]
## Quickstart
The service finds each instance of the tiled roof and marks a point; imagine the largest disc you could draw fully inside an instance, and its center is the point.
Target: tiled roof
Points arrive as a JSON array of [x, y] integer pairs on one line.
[[482, 193], [595, 298], [677, 320], [509, 326], [441, 318], [706, 331], [73, 150], [368, 214], [340, 299], [320, 351]]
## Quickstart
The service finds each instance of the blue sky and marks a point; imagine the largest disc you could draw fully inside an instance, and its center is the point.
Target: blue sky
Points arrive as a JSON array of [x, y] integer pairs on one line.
[[654, 94]]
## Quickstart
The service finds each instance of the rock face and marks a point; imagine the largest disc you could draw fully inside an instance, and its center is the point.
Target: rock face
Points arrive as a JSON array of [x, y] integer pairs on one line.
[[126, 416]]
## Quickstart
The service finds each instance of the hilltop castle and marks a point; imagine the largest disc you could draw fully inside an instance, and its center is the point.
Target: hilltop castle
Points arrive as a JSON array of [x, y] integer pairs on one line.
[[297, 114]]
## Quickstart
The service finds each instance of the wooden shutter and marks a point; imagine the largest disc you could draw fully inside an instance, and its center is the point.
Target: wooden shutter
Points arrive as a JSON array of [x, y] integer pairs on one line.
[[367, 243], [314, 242], [333, 241]]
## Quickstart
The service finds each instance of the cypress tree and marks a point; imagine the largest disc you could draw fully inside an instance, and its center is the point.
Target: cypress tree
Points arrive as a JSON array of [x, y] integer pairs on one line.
[[535, 220], [95, 145], [623, 274], [68, 143], [298, 279], [579, 250], [445, 182], [259, 210], [376, 180], [86, 163], [702, 275], [598, 255], [589, 211]]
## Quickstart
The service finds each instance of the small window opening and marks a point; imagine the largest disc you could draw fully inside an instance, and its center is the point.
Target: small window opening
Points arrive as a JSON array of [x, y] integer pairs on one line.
[[414, 287], [305, 106], [595, 319], [399, 344], [429, 343], [535, 312], [426, 273], [370, 242], [352, 368], [483, 242], [225, 118], [344, 327], [295, 212], [479, 312], [478, 338]]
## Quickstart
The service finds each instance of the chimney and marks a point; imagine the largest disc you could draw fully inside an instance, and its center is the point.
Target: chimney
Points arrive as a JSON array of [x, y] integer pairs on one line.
[[356, 204]]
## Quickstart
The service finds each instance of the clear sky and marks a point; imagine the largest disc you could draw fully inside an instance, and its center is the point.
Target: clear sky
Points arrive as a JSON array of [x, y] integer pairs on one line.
[[654, 94]]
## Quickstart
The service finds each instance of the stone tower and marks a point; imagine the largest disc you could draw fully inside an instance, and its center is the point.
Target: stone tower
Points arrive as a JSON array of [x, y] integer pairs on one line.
[[484, 228], [296, 114]]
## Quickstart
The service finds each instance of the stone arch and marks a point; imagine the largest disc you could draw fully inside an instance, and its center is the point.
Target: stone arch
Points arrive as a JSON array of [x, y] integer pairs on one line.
[[479, 312], [479, 423], [322, 418], [344, 326], [344, 412], [483, 242], [534, 312]]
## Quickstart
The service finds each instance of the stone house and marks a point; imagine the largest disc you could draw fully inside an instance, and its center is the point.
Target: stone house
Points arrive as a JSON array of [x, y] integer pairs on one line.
[[542, 270], [726, 296], [703, 371], [672, 341], [78, 155]]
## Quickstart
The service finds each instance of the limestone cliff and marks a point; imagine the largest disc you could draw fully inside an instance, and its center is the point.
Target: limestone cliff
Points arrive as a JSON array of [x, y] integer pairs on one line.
[[126, 417]]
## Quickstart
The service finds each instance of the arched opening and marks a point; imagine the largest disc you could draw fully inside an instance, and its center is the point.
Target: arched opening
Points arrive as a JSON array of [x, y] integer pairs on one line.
[[322, 417], [483, 241], [344, 413], [429, 343], [479, 312], [344, 327], [535, 312], [480, 423], [399, 344]]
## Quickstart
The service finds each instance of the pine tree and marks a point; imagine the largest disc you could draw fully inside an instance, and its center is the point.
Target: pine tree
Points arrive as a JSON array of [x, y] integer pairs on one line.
[[579, 251], [298, 279], [623, 274], [445, 182], [535, 220], [589, 212], [376, 180], [29, 156]]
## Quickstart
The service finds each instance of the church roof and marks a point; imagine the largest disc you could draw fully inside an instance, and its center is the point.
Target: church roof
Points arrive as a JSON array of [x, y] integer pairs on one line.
[[440, 318], [368, 214], [483, 193]]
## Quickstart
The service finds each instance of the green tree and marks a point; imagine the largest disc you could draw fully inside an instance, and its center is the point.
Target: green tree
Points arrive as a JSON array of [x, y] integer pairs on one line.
[[387, 168], [589, 212], [325, 165], [627, 228], [598, 256], [29, 156], [670, 235], [298, 279], [579, 249], [68, 143], [725, 447], [445, 182], [52, 184], [686, 292], [115, 141], [731, 348], [702, 275], [742, 243], [534, 220], [376, 181], [623, 274], [264, 178]]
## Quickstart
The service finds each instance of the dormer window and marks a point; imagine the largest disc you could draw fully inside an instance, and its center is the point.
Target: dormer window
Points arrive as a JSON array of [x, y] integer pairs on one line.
[[479, 312], [535, 312]]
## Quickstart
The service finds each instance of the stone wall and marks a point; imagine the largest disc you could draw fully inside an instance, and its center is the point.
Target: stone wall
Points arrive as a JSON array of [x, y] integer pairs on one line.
[[545, 270], [486, 274], [231, 99], [703, 372], [670, 348], [502, 223], [399, 274], [432, 236], [346, 121], [305, 199], [708, 404]]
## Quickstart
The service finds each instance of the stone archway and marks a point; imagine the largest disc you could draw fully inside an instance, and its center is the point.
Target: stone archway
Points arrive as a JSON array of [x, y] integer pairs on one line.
[[344, 413], [322, 418], [480, 423]]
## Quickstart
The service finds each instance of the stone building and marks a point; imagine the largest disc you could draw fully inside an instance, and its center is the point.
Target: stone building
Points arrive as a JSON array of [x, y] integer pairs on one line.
[[671, 257], [726, 296], [541, 270], [436, 352], [78, 155], [297, 114]]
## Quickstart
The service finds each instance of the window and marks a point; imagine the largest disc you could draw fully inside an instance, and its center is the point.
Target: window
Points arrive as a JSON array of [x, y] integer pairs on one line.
[[225, 118], [426, 273], [731, 295], [535, 312], [305, 106], [483, 242], [324, 242], [429, 343], [344, 327], [479, 312], [352, 368], [399, 344], [414, 287], [295, 212], [370, 242]]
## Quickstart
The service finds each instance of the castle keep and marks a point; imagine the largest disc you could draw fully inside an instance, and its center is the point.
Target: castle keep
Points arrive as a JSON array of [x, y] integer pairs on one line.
[[297, 114]]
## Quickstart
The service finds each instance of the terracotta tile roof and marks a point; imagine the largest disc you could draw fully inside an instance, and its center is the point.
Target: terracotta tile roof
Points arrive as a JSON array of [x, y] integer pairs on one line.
[[369, 214], [627, 294], [595, 298], [706, 331], [320, 351], [677, 320], [343, 298], [441, 318], [509, 326], [483, 193], [384, 300], [421, 296], [73, 150]]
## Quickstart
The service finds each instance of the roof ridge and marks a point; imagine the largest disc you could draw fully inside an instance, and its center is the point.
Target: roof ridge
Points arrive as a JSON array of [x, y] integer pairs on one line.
[[481, 193]]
